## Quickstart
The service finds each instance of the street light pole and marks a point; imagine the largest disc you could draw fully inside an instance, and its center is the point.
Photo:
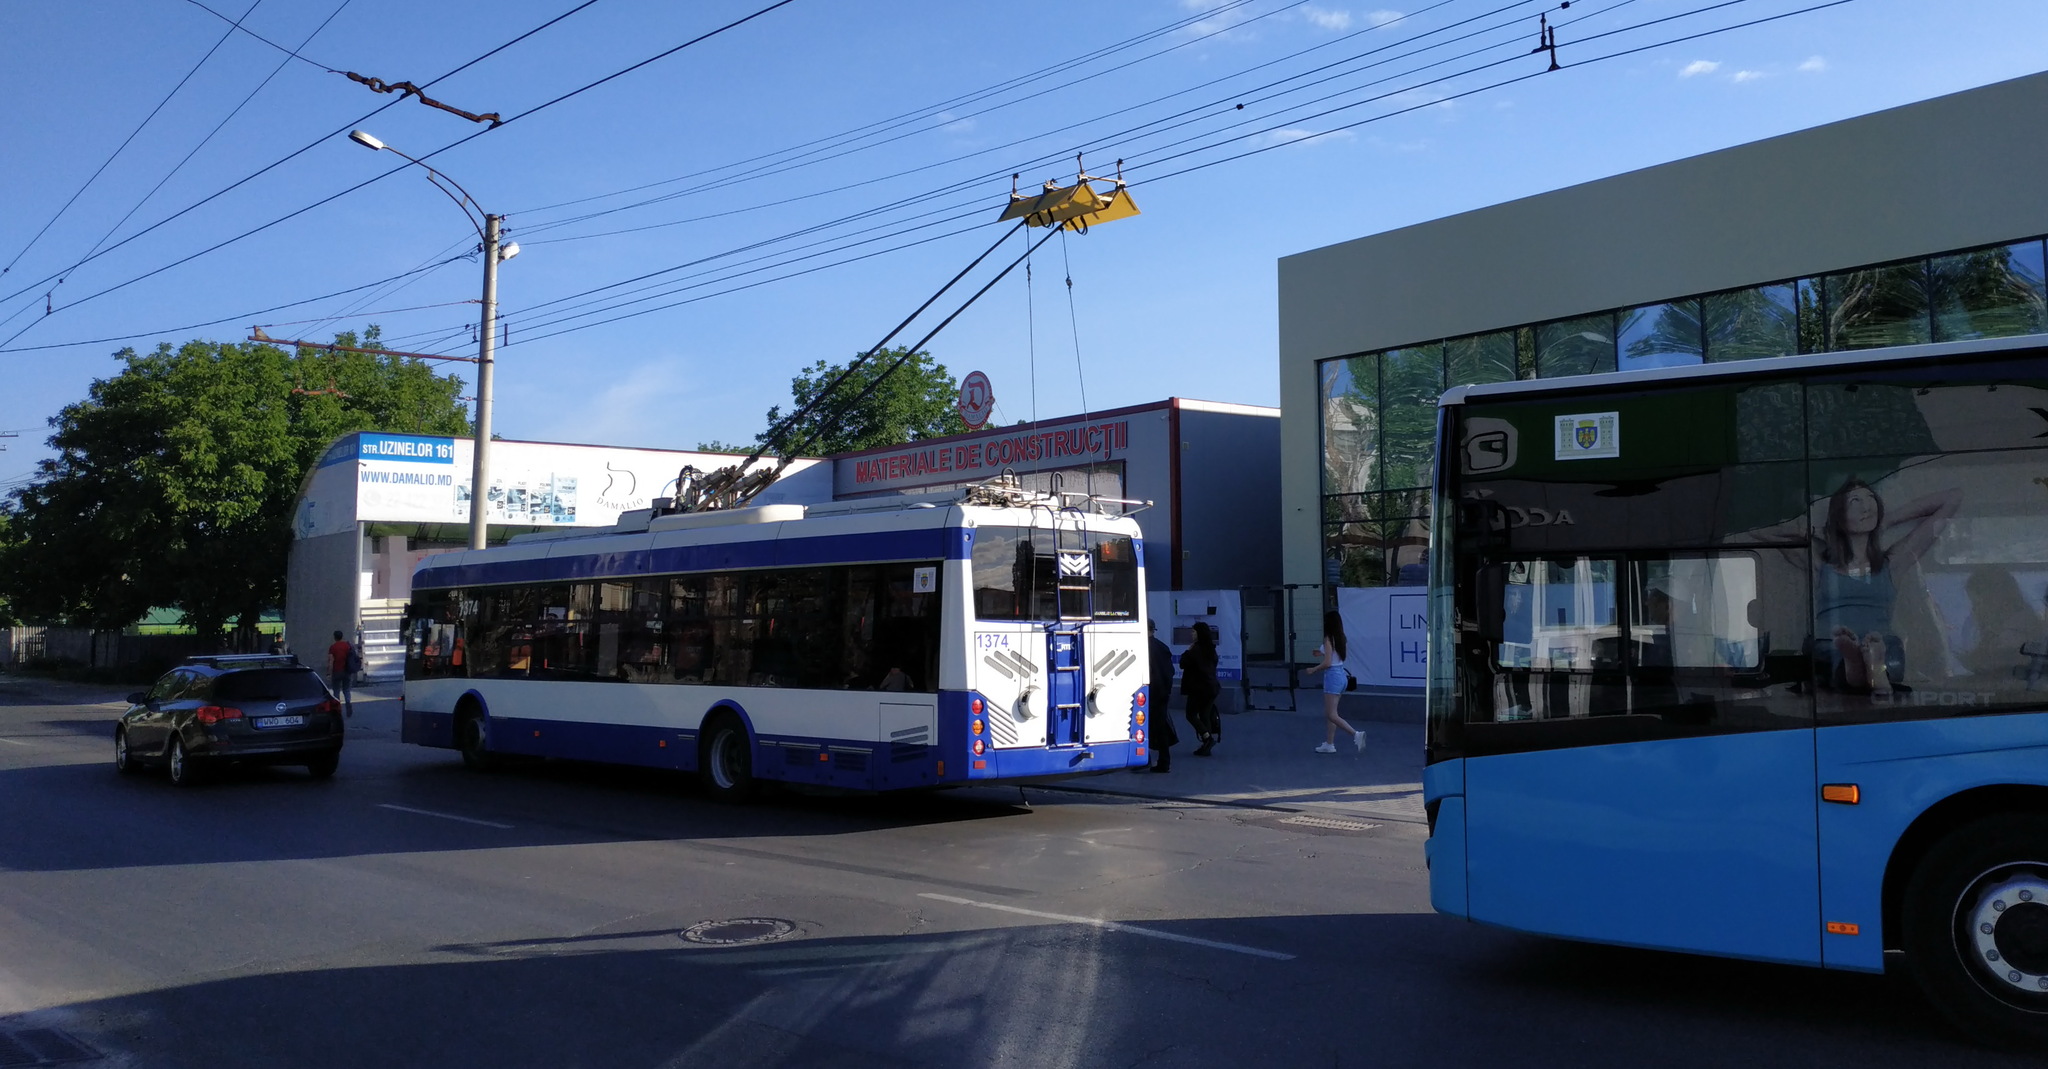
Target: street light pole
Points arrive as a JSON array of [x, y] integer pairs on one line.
[[480, 468]]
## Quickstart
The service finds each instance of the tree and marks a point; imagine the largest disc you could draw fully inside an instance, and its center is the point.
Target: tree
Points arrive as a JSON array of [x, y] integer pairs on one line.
[[915, 401], [173, 481], [716, 446]]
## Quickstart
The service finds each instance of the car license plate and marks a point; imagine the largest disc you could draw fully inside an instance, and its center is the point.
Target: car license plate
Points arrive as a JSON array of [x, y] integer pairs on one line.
[[280, 721]]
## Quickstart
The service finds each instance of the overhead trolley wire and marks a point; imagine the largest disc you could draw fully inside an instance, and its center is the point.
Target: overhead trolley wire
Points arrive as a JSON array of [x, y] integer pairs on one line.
[[233, 318], [912, 115], [461, 141], [124, 144], [309, 146], [1239, 137]]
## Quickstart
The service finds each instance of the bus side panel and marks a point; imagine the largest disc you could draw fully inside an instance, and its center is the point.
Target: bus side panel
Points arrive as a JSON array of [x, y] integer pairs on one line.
[[1443, 787], [1703, 844], [427, 716], [1900, 771]]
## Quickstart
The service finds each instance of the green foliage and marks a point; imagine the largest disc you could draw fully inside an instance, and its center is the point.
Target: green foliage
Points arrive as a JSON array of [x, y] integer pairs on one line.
[[916, 401], [716, 446], [173, 481]]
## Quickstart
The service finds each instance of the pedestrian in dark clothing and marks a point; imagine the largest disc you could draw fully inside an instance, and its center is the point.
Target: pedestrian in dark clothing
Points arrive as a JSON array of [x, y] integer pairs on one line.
[[1159, 705], [1198, 684]]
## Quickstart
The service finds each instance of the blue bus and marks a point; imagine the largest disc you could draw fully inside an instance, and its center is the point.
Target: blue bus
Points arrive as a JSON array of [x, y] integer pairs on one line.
[[1751, 659], [868, 645]]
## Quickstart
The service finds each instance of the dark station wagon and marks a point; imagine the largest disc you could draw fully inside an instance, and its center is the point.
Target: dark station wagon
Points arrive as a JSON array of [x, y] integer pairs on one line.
[[248, 708]]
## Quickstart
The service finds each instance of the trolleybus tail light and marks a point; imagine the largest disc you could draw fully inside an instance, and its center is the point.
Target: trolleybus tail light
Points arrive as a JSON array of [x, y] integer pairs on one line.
[[979, 748], [214, 714], [974, 725], [974, 706]]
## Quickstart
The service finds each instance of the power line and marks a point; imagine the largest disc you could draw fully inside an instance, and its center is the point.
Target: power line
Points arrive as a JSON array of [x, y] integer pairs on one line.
[[180, 165], [233, 318], [309, 146], [290, 54], [1275, 128], [124, 143], [530, 111], [908, 115]]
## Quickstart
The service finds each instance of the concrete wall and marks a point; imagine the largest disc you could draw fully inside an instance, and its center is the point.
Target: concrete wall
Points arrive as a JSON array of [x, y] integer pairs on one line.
[[1939, 175], [320, 592]]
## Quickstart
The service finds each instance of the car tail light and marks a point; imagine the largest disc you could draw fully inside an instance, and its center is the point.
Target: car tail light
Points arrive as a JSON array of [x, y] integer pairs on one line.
[[330, 706], [214, 714]]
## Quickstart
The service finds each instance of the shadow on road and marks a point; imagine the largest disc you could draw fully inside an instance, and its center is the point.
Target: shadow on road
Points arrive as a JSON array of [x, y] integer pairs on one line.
[[1378, 990]]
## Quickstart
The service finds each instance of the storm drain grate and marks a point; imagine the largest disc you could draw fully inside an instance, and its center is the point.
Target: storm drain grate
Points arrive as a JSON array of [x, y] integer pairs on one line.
[[740, 931], [42, 1046], [1331, 823]]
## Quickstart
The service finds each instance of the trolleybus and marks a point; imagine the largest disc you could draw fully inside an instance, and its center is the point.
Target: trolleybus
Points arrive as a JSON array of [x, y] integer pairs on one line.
[[868, 645], [1752, 660]]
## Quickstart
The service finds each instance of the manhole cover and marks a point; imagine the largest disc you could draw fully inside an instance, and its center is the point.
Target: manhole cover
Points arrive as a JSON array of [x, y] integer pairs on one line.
[[742, 930]]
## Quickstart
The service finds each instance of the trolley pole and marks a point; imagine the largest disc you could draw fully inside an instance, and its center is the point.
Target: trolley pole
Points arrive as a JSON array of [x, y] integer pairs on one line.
[[480, 468]]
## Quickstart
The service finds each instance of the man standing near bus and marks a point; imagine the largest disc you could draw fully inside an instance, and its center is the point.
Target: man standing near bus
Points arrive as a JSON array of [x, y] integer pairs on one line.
[[341, 658]]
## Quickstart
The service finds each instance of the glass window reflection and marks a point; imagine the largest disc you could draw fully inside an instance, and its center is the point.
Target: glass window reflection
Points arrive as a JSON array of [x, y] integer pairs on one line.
[[1661, 335], [1878, 307], [1350, 392], [1989, 293], [1752, 323], [1582, 346]]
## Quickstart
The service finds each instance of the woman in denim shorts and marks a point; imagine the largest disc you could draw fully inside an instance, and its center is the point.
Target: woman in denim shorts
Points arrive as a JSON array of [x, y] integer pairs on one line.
[[1336, 680]]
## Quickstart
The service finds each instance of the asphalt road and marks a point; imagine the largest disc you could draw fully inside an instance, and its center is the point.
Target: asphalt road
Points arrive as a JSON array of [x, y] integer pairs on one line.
[[412, 913]]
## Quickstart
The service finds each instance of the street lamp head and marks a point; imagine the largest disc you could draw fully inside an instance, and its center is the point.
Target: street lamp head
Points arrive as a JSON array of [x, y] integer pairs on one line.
[[508, 251], [363, 138]]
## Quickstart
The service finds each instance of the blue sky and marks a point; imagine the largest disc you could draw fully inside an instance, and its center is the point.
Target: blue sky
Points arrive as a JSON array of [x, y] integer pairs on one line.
[[1180, 300]]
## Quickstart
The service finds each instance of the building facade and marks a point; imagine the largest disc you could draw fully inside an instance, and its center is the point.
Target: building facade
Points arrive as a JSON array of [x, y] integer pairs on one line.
[[1916, 224]]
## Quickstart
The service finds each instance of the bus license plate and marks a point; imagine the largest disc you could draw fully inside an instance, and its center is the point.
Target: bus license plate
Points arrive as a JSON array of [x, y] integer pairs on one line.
[[280, 721]]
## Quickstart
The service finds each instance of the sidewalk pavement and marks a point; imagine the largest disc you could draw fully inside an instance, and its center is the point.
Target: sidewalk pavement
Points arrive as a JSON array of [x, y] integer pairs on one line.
[[1267, 759]]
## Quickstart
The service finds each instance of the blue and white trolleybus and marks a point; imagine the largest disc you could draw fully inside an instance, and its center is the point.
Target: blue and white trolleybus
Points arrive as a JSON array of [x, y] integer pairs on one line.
[[871, 645]]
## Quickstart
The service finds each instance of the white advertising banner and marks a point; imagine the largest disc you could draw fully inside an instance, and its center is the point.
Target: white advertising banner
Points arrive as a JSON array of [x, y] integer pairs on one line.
[[1177, 612], [1387, 629], [400, 478]]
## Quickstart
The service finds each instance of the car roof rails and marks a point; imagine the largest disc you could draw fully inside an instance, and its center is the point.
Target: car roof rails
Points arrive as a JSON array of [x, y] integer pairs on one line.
[[245, 660]]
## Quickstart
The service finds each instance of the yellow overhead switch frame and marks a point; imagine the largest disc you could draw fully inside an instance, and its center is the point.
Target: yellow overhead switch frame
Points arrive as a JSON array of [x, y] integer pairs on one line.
[[1076, 207]]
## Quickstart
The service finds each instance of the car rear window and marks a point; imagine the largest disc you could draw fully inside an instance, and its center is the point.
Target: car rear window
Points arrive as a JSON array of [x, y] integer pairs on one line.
[[270, 684]]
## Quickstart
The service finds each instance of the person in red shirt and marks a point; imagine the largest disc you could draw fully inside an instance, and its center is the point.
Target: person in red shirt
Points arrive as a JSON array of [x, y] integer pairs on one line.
[[339, 672]]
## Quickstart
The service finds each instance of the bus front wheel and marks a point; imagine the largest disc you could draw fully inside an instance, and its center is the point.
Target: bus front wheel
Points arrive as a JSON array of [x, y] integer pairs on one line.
[[725, 760], [1976, 929]]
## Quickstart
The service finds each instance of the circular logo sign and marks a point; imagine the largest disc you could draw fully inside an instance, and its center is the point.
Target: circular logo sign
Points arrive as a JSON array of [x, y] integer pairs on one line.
[[977, 399]]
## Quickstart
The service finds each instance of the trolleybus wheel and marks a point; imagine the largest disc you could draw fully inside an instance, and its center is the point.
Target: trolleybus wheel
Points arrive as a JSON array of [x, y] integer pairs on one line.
[[1976, 929], [725, 760], [473, 737]]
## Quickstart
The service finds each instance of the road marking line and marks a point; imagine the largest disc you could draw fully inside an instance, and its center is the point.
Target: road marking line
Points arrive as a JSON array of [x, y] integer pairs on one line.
[[1112, 926], [1335, 823], [16, 742], [443, 816]]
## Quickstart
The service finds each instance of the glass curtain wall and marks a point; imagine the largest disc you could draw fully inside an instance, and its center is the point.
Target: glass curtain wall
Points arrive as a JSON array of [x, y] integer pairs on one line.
[[1378, 410]]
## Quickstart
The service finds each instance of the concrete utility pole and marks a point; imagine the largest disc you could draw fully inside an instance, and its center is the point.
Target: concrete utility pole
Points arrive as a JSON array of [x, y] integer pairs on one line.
[[480, 469]]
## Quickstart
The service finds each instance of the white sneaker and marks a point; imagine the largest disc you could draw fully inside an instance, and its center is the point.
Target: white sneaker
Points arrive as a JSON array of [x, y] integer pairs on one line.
[[1326, 748], [1358, 739]]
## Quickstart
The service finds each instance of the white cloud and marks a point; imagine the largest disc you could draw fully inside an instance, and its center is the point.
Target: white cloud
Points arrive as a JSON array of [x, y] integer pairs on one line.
[[1381, 18], [955, 126], [1745, 76], [1814, 65], [1323, 18], [1293, 134], [1699, 66]]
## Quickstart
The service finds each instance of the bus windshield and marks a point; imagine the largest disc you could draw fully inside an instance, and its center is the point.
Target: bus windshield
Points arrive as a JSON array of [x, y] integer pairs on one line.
[[1017, 576]]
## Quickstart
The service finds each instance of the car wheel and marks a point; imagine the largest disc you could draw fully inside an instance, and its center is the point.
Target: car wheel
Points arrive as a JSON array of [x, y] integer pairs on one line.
[[184, 771], [1976, 929], [323, 767], [473, 735], [725, 760], [124, 758]]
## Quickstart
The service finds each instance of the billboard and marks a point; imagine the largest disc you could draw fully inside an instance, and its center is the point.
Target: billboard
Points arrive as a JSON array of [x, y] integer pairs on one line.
[[405, 478]]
